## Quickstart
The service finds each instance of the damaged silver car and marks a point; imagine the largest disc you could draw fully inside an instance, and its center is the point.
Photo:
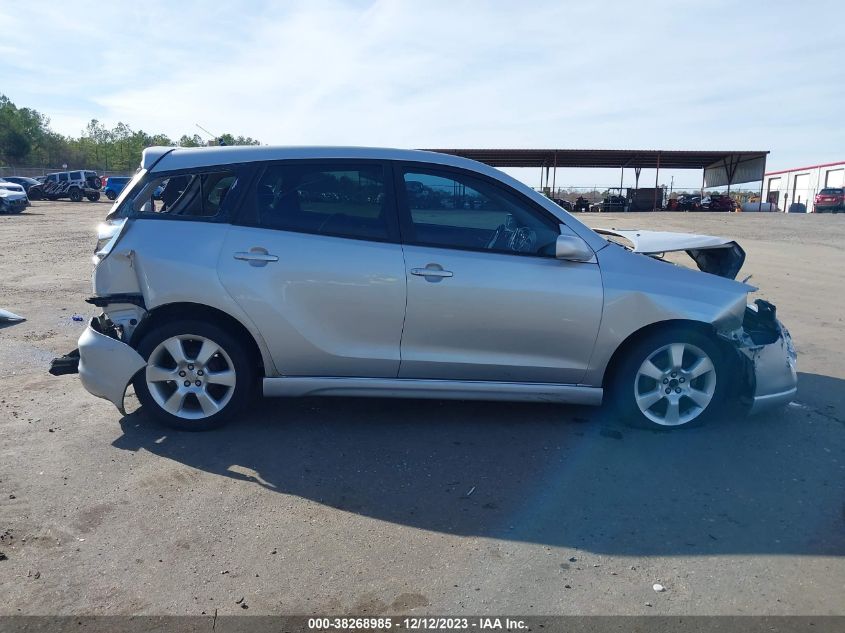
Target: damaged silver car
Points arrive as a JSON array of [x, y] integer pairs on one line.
[[231, 271]]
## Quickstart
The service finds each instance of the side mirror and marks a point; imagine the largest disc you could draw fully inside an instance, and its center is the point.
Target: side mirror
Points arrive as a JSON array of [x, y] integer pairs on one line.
[[572, 248]]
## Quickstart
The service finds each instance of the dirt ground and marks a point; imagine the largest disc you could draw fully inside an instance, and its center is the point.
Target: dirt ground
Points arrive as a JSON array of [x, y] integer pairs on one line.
[[376, 506]]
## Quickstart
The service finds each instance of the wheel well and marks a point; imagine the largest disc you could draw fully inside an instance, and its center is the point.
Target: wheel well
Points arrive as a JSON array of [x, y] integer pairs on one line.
[[628, 343], [173, 311]]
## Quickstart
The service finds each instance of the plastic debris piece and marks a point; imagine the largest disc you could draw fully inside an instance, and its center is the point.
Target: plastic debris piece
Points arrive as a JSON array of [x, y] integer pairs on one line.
[[5, 315], [658, 587]]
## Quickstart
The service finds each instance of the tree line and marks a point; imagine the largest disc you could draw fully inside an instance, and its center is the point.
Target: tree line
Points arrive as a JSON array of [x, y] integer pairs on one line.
[[26, 140]]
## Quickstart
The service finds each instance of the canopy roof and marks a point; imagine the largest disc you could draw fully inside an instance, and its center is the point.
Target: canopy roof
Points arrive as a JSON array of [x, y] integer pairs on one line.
[[720, 168], [598, 158]]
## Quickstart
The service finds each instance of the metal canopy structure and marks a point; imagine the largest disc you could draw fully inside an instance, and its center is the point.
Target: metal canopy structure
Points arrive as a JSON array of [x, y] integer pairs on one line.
[[720, 167], [605, 158]]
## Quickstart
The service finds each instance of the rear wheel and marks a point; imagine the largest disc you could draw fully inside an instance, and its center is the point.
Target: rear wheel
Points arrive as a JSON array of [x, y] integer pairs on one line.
[[111, 195], [197, 376], [671, 379], [75, 194], [93, 197]]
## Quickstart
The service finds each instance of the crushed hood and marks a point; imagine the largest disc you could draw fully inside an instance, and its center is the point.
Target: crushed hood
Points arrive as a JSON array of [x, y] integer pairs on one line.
[[715, 255]]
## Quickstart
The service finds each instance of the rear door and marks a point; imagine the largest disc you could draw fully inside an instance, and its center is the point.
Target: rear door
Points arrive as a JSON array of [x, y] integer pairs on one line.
[[487, 300], [315, 261]]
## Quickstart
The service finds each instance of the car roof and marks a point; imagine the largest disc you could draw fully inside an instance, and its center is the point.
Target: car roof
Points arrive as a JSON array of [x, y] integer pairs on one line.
[[171, 158]]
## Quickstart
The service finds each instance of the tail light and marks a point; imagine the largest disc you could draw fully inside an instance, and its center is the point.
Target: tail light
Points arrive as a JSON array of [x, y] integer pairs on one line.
[[108, 233]]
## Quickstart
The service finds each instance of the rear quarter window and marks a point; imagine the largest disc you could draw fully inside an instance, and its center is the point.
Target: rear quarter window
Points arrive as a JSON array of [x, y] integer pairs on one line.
[[193, 195]]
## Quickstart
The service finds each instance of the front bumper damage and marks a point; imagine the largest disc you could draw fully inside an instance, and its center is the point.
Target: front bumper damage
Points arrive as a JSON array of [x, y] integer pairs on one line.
[[770, 358], [775, 372], [106, 364]]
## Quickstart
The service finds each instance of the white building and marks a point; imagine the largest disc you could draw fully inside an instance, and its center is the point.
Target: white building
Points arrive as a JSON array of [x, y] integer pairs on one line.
[[790, 187]]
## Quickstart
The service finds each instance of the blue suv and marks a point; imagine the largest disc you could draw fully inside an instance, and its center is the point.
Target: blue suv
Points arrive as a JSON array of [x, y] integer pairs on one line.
[[114, 185]]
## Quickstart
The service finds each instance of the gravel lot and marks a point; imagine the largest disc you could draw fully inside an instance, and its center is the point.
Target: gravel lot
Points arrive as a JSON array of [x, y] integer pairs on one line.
[[363, 506]]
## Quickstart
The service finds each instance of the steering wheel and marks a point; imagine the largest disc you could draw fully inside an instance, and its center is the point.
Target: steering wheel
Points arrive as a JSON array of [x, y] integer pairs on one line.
[[523, 240]]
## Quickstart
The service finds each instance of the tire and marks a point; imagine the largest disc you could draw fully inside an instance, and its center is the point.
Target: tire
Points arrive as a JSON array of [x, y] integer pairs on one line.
[[699, 383], [75, 194], [111, 195], [161, 387], [34, 194], [93, 197]]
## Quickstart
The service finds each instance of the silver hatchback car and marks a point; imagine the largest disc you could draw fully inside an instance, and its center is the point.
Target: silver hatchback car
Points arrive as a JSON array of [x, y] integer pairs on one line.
[[391, 273]]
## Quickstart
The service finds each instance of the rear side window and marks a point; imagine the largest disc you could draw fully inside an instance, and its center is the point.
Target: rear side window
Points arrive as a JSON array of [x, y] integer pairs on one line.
[[196, 195], [76, 175], [340, 200], [63, 177]]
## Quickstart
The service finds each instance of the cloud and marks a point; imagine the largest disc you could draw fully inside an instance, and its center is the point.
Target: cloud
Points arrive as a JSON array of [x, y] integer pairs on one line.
[[412, 74]]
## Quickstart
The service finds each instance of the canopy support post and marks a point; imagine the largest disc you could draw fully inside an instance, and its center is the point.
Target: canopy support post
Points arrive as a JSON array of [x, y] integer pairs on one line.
[[656, 181]]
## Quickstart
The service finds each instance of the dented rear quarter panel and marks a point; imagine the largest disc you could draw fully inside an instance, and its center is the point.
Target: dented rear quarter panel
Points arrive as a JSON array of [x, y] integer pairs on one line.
[[640, 291], [171, 261]]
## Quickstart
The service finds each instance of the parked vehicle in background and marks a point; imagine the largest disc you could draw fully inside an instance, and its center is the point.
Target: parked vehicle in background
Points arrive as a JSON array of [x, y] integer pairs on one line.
[[113, 185], [315, 271], [689, 203], [582, 204], [74, 185], [12, 198], [30, 185], [564, 204], [614, 203], [718, 202], [830, 200]]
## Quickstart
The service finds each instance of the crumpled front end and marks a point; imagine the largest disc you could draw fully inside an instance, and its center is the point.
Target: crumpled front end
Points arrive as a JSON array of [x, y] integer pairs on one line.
[[771, 360], [107, 364]]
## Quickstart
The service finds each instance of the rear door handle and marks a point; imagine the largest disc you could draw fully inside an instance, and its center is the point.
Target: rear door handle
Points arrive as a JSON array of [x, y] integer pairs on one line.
[[256, 257]]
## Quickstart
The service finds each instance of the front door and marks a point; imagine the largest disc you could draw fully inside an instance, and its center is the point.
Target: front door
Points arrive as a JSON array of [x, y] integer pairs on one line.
[[487, 300]]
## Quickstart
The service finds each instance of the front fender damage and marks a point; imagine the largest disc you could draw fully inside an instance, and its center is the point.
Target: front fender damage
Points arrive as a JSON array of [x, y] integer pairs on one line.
[[106, 364]]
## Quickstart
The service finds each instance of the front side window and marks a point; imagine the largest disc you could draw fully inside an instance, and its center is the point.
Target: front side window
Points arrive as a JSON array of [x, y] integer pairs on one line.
[[454, 210], [197, 195], [339, 200]]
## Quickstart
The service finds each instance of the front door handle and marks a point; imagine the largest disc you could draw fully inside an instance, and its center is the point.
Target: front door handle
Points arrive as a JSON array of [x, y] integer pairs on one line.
[[432, 272], [256, 257]]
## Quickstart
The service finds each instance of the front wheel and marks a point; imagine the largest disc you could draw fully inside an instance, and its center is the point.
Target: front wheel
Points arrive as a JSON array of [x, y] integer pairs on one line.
[[197, 375], [671, 379], [111, 195], [75, 194]]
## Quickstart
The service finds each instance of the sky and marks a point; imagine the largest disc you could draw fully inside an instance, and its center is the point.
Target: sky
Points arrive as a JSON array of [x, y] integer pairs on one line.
[[738, 75]]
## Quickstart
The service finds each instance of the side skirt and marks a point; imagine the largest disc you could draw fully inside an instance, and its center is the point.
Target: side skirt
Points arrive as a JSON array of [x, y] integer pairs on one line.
[[432, 389]]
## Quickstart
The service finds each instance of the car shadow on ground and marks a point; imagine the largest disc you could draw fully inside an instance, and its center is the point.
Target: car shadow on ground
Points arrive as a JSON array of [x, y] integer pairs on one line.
[[549, 474]]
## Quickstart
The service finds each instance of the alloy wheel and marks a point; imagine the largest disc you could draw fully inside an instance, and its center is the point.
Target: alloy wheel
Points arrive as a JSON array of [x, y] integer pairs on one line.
[[675, 384], [190, 376]]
